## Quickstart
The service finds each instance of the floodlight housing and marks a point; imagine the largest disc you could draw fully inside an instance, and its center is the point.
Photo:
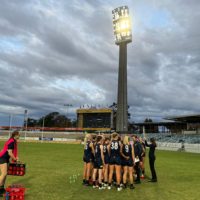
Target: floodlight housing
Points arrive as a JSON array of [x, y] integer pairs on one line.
[[122, 25]]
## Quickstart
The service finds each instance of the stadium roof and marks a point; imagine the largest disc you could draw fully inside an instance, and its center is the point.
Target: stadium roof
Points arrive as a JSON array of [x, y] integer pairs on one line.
[[185, 118], [157, 123]]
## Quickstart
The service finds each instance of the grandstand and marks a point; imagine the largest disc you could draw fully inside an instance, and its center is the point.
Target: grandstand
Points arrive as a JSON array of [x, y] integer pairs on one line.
[[174, 138], [192, 123]]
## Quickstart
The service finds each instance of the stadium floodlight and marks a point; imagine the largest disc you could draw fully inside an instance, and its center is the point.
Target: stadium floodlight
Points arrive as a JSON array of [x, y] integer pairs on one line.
[[122, 25], [123, 36]]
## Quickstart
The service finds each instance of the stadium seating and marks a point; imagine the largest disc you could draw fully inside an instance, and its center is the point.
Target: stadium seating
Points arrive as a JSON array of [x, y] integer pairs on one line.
[[175, 138]]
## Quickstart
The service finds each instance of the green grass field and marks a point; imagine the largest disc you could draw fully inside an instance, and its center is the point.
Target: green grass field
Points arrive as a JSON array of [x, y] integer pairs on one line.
[[50, 166]]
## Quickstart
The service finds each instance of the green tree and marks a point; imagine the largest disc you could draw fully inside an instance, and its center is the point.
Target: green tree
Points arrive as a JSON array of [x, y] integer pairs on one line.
[[53, 119]]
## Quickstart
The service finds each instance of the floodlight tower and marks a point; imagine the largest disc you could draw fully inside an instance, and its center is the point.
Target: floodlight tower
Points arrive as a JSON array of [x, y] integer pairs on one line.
[[123, 36]]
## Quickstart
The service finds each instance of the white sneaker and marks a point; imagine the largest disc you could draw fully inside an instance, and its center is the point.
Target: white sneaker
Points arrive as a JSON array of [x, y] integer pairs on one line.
[[119, 189], [94, 186], [105, 185], [109, 187]]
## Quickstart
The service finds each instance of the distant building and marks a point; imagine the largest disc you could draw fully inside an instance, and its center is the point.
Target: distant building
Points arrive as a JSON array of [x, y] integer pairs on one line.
[[160, 127], [95, 119], [186, 124], [192, 123]]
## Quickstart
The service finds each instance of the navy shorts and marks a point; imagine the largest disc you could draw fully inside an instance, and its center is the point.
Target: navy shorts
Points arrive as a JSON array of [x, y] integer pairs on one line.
[[115, 160], [92, 157], [98, 164], [128, 163], [3, 160], [106, 159], [87, 159]]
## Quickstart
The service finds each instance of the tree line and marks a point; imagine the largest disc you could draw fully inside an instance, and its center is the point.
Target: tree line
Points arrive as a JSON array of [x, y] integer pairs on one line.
[[53, 119]]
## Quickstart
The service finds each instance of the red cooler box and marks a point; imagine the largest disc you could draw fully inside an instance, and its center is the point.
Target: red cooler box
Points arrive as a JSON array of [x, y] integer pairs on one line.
[[17, 169], [14, 192]]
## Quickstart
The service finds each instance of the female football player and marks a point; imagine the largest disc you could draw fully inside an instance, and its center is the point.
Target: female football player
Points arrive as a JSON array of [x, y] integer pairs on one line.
[[115, 150], [127, 161], [98, 162], [87, 158], [106, 160], [142, 163]]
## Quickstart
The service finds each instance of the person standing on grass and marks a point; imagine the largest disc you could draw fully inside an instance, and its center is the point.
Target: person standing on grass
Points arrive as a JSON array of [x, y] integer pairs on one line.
[[115, 150], [152, 146], [127, 161], [98, 162], [138, 157], [87, 158], [8, 152], [142, 163], [106, 159]]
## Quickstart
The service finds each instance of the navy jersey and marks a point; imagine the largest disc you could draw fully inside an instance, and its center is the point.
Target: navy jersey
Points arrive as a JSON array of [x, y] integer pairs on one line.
[[97, 151], [98, 163], [127, 150], [105, 153], [138, 149], [105, 150], [88, 152], [6, 155], [144, 149], [115, 148]]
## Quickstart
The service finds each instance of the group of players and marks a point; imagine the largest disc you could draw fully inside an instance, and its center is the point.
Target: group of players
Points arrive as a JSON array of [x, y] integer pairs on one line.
[[109, 160]]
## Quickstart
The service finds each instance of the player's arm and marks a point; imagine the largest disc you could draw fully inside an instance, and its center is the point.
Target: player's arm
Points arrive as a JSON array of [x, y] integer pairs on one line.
[[143, 150], [121, 152], [102, 156], [133, 153], [140, 149], [92, 147], [148, 145], [10, 153], [108, 148]]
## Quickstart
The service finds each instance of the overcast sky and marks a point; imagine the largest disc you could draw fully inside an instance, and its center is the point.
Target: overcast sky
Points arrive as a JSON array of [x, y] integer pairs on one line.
[[63, 52]]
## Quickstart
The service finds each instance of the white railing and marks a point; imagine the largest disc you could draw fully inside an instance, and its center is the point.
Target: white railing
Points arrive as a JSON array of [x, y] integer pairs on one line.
[[195, 148]]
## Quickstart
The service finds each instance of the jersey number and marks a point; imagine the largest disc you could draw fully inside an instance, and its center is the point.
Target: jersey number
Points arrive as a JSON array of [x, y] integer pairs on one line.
[[104, 149], [126, 149], [114, 145], [96, 149]]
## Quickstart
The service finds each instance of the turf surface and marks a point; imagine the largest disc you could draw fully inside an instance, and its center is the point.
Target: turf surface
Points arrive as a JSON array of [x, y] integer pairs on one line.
[[54, 172]]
